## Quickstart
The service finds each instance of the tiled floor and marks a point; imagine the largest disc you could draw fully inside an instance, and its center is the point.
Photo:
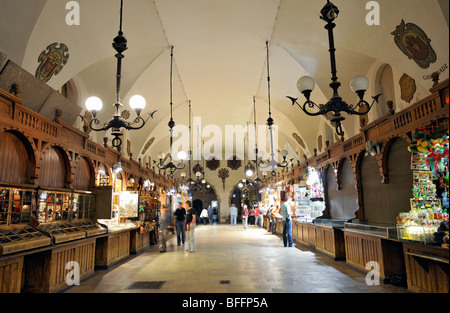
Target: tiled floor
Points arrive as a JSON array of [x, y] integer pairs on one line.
[[231, 260]]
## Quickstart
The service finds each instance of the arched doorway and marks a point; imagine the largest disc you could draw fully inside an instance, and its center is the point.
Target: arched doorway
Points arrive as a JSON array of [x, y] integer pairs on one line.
[[197, 205], [205, 198]]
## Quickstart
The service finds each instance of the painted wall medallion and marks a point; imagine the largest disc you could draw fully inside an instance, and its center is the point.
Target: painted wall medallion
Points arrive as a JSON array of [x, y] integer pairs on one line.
[[414, 43], [408, 87], [51, 61], [147, 145], [299, 140]]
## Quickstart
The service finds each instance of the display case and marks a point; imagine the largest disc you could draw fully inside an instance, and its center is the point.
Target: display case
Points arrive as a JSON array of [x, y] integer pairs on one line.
[[15, 205], [330, 222], [61, 231], [114, 208], [53, 206], [84, 214], [54, 216], [380, 230], [306, 208], [414, 233], [21, 238], [16, 234]]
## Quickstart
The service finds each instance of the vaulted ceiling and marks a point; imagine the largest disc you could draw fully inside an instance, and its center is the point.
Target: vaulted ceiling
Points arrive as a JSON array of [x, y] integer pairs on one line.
[[220, 58]]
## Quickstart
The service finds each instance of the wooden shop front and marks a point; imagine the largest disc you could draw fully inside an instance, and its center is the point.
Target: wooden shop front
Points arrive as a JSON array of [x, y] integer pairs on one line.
[[369, 182], [49, 225]]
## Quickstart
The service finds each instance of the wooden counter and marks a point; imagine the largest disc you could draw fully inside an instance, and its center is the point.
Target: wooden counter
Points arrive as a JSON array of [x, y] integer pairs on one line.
[[304, 233], [112, 248], [45, 269], [139, 240], [426, 268], [330, 241], [362, 248], [11, 274]]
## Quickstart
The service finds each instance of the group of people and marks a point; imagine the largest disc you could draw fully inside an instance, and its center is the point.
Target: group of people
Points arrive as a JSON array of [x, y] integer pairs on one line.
[[184, 221], [207, 215], [254, 216]]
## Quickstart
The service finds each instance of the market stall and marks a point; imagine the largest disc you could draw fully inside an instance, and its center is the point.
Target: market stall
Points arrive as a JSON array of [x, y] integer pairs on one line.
[[113, 209], [309, 205], [424, 229]]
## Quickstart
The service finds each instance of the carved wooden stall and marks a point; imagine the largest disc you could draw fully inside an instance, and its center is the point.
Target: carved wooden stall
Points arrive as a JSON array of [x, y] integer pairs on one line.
[[48, 218], [383, 184]]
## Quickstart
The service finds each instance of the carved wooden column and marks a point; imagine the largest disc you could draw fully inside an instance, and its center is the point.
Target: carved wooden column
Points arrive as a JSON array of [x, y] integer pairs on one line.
[[355, 160]]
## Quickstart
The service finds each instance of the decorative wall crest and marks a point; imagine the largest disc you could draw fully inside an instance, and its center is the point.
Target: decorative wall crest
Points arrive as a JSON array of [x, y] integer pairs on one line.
[[408, 87], [212, 164], [148, 144], [51, 61], [223, 174], [234, 163], [299, 140], [414, 43]]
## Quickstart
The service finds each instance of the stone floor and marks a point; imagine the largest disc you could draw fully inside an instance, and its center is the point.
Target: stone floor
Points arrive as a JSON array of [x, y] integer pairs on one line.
[[231, 260]]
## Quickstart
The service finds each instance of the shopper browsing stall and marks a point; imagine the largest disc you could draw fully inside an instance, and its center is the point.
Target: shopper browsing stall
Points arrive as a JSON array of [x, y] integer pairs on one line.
[[286, 213]]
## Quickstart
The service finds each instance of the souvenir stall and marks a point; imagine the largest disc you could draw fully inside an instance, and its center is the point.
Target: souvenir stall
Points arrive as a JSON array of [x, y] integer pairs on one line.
[[424, 228], [146, 232], [115, 206], [309, 205], [271, 201]]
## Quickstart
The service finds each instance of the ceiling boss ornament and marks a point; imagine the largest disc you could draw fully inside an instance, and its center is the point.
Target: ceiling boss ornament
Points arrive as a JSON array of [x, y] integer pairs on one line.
[[51, 61], [336, 105]]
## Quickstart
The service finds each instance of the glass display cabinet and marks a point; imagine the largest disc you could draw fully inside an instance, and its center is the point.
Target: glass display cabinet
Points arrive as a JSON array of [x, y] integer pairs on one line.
[[330, 222], [16, 234], [83, 214], [53, 212], [380, 230], [415, 233], [114, 208]]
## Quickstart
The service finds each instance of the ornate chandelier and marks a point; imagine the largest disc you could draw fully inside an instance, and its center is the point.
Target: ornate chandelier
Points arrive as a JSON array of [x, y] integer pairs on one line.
[[137, 102], [273, 164], [171, 166], [359, 84]]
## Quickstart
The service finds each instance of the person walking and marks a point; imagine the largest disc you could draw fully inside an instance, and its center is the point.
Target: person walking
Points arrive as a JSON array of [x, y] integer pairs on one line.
[[204, 216], [210, 214], [180, 217], [164, 224], [251, 215], [286, 213], [233, 215], [245, 216], [258, 217], [190, 227]]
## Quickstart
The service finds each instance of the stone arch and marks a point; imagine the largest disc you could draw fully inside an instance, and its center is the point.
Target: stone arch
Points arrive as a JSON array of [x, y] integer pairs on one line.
[[384, 84]]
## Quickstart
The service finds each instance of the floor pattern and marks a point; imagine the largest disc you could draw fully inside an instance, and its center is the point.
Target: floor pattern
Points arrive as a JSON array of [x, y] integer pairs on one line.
[[231, 260]]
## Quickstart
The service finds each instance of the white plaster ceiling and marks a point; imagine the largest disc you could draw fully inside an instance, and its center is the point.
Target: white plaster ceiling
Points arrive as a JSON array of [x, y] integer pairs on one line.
[[220, 56]]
